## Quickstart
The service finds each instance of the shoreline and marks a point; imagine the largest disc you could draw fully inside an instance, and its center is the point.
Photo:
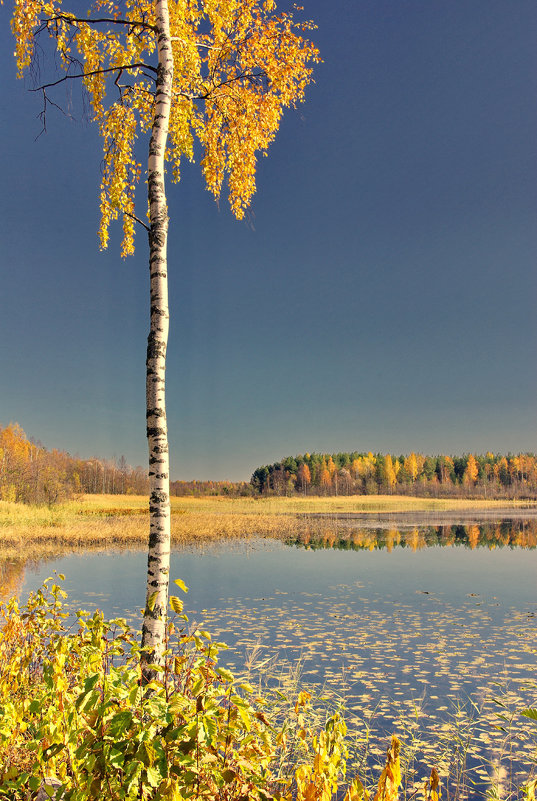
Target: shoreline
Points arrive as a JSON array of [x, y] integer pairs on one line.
[[89, 510], [101, 522], [407, 518]]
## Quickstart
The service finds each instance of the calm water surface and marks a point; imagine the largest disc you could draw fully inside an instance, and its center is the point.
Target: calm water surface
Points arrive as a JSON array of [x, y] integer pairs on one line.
[[428, 640]]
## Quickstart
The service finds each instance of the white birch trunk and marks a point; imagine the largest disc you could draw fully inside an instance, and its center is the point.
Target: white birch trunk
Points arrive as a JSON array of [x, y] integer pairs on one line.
[[158, 564]]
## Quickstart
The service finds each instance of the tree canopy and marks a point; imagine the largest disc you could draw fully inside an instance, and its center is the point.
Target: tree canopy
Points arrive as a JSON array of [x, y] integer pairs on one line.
[[237, 65]]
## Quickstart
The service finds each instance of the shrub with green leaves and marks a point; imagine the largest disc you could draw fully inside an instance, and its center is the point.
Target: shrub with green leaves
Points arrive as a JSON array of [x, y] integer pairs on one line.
[[72, 708]]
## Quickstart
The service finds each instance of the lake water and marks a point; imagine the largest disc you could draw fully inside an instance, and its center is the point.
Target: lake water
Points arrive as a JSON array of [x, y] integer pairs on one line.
[[424, 631]]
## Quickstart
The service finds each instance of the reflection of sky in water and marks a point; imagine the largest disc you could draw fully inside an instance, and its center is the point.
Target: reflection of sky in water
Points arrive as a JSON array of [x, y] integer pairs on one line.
[[427, 629], [259, 568]]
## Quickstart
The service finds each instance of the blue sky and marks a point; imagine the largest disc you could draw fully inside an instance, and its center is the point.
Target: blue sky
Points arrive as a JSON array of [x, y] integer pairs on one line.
[[382, 296]]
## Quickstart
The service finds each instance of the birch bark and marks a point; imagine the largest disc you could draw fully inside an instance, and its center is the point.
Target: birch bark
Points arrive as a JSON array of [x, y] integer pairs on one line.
[[158, 564]]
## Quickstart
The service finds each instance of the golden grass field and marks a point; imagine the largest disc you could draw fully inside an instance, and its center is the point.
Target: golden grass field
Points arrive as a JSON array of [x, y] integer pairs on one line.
[[122, 520]]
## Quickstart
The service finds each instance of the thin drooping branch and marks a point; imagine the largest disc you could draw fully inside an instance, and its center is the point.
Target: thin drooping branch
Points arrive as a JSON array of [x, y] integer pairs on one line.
[[47, 101], [43, 113], [102, 71]]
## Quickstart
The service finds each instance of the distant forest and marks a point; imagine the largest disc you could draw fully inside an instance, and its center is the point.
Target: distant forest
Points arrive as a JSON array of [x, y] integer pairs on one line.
[[29, 473], [488, 476]]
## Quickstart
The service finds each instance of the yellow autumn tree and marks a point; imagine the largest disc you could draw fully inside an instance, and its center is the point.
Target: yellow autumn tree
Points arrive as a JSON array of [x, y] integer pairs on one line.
[[303, 477], [472, 470], [411, 466], [325, 479], [389, 472], [219, 72], [366, 465]]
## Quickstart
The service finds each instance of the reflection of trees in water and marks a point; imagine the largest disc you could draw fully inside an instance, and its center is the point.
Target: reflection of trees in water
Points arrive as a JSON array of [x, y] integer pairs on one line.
[[11, 577], [340, 536], [508, 533], [12, 571]]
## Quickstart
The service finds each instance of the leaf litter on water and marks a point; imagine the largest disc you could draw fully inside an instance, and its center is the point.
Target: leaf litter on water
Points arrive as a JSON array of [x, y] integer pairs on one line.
[[452, 658]]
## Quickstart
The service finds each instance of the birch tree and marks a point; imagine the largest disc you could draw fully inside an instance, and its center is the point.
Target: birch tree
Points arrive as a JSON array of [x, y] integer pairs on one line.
[[215, 72]]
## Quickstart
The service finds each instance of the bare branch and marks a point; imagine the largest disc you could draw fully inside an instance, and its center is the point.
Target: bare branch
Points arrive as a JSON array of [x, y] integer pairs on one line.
[[253, 77], [95, 72], [137, 219], [43, 113], [131, 23]]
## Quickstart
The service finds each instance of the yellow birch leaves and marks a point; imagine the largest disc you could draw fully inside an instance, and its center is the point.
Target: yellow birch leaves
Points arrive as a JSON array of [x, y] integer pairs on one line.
[[121, 172], [237, 65]]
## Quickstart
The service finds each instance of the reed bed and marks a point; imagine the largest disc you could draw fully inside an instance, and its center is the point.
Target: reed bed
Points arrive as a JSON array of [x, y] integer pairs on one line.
[[350, 504], [102, 521], [26, 531], [124, 531], [130, 505]]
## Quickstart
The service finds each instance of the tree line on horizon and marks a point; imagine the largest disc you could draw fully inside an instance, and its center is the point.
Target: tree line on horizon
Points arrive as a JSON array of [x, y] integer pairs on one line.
[[353, 473], [30, 473]]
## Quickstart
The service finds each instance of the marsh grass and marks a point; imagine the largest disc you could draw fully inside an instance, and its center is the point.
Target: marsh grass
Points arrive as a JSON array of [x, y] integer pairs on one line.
[[104, 505], [131, 531], [466, 770], [122, 520]]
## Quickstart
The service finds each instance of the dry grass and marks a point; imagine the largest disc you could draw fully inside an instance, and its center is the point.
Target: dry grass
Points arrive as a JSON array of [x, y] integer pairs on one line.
[[122, 520], [334, 505], [280, 505]]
